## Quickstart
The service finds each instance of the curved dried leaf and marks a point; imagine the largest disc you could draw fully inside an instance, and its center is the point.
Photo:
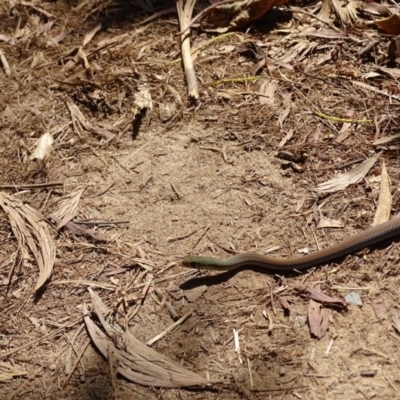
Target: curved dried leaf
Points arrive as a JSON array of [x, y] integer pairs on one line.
[[353, 176], [68, 208], [136, 361], [30, 228], [390, 25]]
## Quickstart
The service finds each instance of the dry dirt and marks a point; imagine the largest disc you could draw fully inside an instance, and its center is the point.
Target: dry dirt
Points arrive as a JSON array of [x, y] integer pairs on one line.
[[206, 181]]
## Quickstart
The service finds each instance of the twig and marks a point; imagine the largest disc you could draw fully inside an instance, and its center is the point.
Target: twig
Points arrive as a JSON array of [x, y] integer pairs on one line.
[[368, 48], [4, 61], [157, 14], [32, 186], [18, 349], [78, 359], [173, 239], [199, 15], [169, 329], [101, 223], [328, 23], [185, 13]]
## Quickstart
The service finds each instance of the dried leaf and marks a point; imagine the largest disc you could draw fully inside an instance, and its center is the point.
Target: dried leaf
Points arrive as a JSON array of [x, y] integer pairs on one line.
[[316, 295], [134, 360], [392, 72], [30, 228], [386, 139], [43, 148], [284, 300], [78, 117], [224, 17], [267, 92], [390, 25], [297, 51], [396, 320], [284, 114], [353, 176], [346, 12], [68, 208], [318, 319], [8, 372], [374, 8]]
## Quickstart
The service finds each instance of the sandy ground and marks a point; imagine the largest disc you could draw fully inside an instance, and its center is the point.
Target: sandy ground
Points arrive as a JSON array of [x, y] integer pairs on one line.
[[208, 181]]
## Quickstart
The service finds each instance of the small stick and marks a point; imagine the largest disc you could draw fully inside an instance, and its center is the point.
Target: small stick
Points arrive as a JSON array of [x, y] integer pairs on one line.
[[32, 186], [4, 61], [157, 14], [100, 223], [184, 14], [18, 349], [199, 15], [169, 329], [250, 374], [173, 239], [77, 361]]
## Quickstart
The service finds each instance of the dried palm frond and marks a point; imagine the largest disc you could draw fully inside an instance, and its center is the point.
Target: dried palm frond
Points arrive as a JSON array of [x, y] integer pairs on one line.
[[32, 232]]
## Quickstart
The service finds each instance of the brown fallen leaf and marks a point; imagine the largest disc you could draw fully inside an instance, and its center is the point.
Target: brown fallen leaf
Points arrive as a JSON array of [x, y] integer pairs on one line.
[[234, 15], [284, 300], [80, 230], [390, 25], [323, 298], [318, 319]]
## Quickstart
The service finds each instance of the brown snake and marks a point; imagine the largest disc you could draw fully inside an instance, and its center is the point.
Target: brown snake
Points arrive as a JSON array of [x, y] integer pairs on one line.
[[356, 242]]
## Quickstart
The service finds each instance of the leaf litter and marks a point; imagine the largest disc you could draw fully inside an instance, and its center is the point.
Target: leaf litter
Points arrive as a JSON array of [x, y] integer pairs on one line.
[[304, 51]]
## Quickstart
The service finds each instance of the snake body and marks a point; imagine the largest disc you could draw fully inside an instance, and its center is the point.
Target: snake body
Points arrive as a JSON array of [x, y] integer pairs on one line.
[[356, 242]]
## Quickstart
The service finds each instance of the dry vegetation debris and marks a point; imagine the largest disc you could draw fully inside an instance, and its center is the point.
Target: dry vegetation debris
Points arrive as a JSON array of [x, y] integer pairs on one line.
[[113, 176]]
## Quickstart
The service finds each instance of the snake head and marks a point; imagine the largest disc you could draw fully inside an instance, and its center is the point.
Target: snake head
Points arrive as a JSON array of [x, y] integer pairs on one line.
[[191, 262]]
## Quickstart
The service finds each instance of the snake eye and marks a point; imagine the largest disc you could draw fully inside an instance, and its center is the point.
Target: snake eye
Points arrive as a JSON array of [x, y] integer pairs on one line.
[[193, 264]]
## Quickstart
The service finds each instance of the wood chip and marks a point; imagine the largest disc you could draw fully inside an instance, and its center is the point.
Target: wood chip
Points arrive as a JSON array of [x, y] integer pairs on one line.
[[316, 295], [194, 294], [379, 308], [384, 207]]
